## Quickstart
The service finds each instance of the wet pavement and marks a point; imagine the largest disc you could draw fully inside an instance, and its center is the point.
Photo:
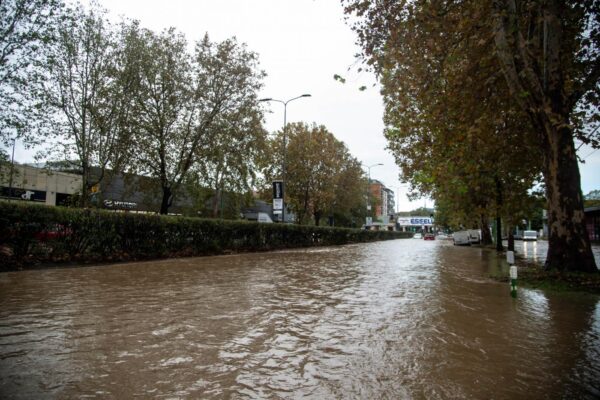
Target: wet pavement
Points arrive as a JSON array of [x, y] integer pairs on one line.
[[536, 250], [398, 319]]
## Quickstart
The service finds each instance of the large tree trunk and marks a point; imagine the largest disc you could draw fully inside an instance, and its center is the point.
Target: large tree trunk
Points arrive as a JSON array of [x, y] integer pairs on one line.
[[486, 235], [499, 246], [568, 242], [85, 189], [166, 200], [499, 203], [317, 216], [544, 94], [215, 203]]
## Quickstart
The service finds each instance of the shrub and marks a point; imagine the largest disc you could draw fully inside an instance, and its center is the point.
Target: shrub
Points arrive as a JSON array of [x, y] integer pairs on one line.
[[34, 234]]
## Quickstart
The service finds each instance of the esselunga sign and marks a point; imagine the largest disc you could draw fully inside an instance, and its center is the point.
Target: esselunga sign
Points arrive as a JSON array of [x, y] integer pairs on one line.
[[415, 221]]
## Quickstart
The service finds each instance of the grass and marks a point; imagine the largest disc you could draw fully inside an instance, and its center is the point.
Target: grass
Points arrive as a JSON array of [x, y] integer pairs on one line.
[[534, 276]]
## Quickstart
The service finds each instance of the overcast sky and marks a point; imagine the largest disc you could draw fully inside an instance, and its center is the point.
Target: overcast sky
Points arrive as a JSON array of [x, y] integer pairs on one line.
[[302, 44]]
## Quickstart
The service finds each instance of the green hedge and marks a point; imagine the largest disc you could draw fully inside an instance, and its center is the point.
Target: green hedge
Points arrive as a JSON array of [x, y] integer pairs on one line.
[[34, 234]]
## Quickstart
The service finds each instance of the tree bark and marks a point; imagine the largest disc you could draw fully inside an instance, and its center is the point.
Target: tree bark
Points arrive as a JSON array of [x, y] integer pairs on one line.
[[85, 177], [317, 216], [569, 246], [166, 200], [543, 94], [499, 245], [486, 235], [499, 203], [215, 203]]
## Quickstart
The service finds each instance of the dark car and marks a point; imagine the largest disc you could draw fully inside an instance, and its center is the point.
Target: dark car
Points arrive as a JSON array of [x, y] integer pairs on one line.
[[429, 236]]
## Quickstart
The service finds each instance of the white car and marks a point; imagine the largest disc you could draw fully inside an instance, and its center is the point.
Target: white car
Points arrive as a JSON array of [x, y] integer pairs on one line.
[[417, 236], [529, 235]]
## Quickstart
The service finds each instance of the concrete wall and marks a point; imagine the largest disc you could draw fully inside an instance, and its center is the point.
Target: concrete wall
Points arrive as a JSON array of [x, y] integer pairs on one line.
[[36, 184]]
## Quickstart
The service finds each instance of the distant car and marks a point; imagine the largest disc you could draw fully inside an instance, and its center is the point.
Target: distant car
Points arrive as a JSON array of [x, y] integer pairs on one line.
[[461, 238], [429, 236], [264, 218], [529, 235], [417, 236], [442, 235]]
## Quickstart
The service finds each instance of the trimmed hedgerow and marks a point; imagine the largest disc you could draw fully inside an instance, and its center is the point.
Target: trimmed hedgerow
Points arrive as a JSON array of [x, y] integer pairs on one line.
[[35, 234]]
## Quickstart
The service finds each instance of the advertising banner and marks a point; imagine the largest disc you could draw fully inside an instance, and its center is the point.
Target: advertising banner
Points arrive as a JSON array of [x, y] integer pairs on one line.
[[415, 221], [277, 196]]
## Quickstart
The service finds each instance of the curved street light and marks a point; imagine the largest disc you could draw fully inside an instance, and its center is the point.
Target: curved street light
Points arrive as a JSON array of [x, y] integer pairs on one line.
[[285, 103]]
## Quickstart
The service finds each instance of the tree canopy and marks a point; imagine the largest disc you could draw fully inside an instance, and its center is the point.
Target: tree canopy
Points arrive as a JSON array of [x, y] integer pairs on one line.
[[322, 179], [26, 28], [483, 97]]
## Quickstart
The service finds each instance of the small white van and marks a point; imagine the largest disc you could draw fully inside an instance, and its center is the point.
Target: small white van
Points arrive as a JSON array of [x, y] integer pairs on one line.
[[474, 236], [461, 238]]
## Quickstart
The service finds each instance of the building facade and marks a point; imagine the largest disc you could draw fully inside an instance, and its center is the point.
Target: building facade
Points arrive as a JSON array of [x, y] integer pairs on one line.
[[26, 183], [385, 205]]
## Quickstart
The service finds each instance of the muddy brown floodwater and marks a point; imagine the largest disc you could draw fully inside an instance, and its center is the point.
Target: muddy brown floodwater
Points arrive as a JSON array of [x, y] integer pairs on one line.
[[399, 319]]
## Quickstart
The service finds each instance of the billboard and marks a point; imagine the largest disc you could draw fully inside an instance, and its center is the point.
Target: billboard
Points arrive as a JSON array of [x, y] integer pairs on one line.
[[415, 221]]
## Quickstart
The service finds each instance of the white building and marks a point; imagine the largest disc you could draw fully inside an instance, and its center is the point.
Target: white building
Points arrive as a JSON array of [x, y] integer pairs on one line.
[[38, 185]]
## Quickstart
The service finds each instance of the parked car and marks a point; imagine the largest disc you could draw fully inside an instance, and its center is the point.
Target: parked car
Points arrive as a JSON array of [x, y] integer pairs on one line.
[[461, 238], [55, 231], [417, 236], [264, 218], [474, 236], [429, 236], [529, 235]]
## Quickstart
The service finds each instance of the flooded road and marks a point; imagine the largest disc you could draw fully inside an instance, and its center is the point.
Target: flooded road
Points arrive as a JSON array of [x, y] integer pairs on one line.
[[398, 319], [536, 251]]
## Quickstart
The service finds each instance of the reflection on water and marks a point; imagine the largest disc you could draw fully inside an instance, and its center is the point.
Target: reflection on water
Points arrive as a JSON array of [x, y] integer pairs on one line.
[[536, 251], [399, 319], [530, 250]]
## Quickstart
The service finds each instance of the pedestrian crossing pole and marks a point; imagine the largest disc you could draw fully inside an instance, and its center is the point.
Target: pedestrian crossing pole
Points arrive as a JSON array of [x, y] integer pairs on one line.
[[510, 258]]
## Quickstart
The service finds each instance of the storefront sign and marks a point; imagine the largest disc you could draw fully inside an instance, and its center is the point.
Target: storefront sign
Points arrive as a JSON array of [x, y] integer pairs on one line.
[[415, 221], [119, 205]]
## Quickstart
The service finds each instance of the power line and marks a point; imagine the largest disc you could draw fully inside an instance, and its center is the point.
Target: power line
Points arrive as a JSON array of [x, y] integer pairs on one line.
[[593, 151]]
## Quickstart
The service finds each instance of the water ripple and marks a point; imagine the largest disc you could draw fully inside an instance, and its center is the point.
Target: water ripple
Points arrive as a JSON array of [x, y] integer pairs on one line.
[[399, 319]]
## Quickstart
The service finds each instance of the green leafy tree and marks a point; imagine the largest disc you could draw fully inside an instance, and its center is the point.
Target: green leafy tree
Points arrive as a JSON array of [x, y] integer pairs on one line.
[[86, 94], [437, 61], [549, 52], [592, 199], [179, 98], [228, 163], [27, 27], [322, 178]]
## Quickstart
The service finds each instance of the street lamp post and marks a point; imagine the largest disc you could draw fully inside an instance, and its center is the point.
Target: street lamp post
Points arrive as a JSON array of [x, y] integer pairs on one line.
[[398, 196], [369, 184], [285, 103]]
